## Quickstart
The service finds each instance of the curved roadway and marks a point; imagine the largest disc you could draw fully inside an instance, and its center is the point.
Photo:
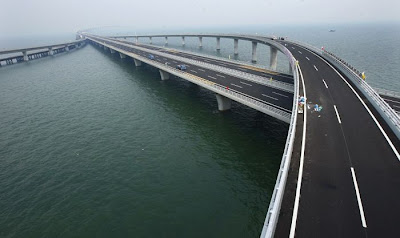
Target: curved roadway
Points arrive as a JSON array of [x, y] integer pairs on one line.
[[351, 178]]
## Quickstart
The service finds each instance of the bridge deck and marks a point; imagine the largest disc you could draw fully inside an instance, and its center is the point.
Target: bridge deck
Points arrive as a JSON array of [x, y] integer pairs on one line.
[[275, 97], [345, 153]]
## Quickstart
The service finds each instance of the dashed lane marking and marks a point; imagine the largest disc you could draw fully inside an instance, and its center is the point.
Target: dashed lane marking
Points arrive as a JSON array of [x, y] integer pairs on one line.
[[193, 71], [201, 70], [286, 96], [246, 83], [360, 206], [236, 85], [326, 85], [307, 58], [270, 97], [337, 114], [220, 76], [211, 77], [315, 67]]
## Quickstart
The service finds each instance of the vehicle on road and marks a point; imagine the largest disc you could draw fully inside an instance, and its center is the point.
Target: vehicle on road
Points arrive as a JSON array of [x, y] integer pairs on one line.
[[181, 67], [151, 56]]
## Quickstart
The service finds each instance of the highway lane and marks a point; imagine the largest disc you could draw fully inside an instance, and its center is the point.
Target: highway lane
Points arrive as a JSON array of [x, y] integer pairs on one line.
[[277, 98], [351, 175], [232, 65]]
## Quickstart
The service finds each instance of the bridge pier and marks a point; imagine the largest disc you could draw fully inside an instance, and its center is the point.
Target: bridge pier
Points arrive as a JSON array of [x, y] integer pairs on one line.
[[105, 47], [183, 40], [166, 40], [164, 75], [51, 51], [122, 56], [200, 41], [136, 39], [112, 51], [254, 51], [137, 62], [236, 46], [25, 56], [151, 42], [67, 48], [218, 43], [273, 58], [224, 103]]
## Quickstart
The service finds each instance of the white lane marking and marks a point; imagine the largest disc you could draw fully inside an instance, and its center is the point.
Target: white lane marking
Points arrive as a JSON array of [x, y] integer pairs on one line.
[[337, 114], [193, 71], [326, 85], [300, 52], [300, 175], [292, 47], [236, 85], [360, 206], [174, 61], [220, 76], [201, 70], [211, 77], [280, 94], [246, 83], [269, 97], [366, 108], [315, 67], [307, 58]]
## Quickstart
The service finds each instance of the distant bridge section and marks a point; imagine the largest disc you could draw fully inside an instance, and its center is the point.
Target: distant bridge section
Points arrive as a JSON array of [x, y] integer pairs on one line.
[[12, 56]]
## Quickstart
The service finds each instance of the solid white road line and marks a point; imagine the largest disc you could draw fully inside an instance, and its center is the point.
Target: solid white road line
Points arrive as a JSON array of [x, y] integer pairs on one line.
[[193, 71], [280, 94], [211, 77], [269, 97], [236, 85], [246, 83], [337, 114], [360, 206], [307, 58], [326, 85], [220, 76], [315, 67], [300, 175], [201, 70]]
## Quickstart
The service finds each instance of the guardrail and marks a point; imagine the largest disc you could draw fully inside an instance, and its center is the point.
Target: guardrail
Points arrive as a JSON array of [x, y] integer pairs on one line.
[[247, 76], [271, 219], [232, 94]]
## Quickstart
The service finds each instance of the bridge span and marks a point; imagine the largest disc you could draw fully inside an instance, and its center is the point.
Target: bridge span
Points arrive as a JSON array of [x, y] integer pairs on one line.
[[340, 170]]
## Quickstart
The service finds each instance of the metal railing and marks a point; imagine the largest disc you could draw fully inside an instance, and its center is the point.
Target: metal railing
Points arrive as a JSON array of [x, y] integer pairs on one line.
[[386, 92]]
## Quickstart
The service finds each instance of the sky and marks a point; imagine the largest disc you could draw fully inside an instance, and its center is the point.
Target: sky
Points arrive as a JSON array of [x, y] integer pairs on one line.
[[25, 17]]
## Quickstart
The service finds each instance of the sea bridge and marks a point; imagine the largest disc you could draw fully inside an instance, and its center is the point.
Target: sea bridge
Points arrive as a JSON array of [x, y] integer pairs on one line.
[[339, 174]]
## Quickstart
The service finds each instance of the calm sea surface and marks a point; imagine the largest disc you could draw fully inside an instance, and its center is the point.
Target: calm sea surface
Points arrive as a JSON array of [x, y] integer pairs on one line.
[[91, 146]]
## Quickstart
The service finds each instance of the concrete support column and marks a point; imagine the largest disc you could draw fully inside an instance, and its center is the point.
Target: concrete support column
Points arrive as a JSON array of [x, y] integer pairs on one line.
[[183, 40], [164, 75], [224, 103], [166, 40], [254, 51], [122, 56], [51, 51], [236, 46], [136, 39], [112, 51], [151, 42], [105, 48], [67, 48], [273, 58], [200, 41], [25, 56], [218, 43], [137, 62]]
